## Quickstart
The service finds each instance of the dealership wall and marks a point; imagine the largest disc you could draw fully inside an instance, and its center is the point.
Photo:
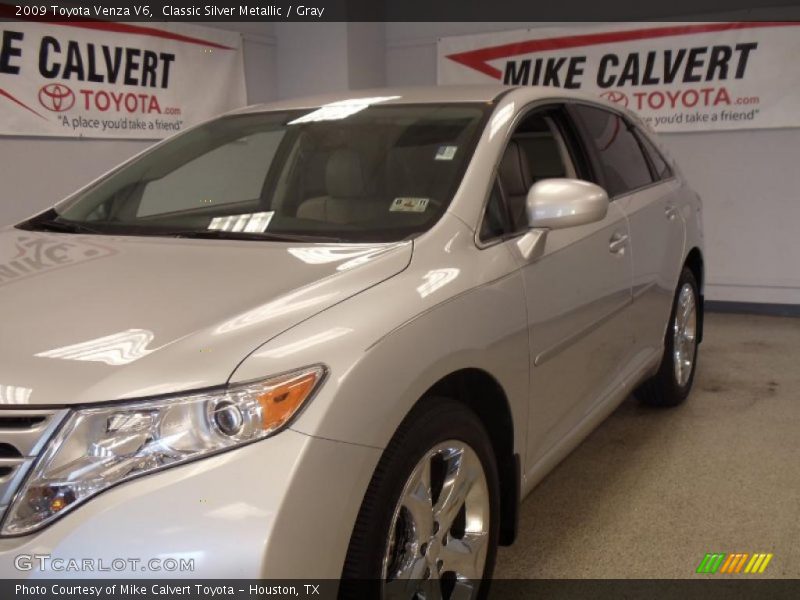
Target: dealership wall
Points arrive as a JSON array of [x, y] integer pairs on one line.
[[748, 179]]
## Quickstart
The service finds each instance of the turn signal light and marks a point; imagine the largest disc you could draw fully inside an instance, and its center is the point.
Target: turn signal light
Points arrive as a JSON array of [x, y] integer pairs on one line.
[[281, 402]]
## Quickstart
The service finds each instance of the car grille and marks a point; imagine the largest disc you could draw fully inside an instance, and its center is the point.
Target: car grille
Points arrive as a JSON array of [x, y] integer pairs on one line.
[[23, 434]]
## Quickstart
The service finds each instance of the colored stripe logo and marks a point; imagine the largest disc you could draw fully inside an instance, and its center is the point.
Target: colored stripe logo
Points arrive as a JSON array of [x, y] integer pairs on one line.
[[734, 563]]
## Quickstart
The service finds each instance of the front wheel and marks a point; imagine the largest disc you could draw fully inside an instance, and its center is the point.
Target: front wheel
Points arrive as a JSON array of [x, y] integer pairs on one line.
[[673, 381], [428, 525]]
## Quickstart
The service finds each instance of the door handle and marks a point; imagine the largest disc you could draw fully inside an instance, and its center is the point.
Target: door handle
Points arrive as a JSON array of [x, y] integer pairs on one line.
[[617, 243], [671, 212]]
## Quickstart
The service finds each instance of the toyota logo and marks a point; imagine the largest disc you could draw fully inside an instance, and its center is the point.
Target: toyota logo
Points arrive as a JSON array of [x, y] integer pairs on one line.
[[56, 97], [615, 97]]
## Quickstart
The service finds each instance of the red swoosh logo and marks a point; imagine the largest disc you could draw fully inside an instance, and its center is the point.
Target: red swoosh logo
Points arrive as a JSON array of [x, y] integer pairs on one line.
[[17, 101]]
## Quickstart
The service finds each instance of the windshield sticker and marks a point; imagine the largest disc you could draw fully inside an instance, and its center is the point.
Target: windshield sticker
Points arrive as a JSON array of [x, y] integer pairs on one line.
[[445, 152], [414, 205], [247, 222]]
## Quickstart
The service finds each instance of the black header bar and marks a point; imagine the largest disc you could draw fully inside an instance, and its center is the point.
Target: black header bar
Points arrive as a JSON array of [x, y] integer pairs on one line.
[[539, 11]]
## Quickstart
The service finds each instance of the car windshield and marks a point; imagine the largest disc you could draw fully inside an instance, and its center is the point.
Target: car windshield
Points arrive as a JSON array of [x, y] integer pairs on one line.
[[337, 173]]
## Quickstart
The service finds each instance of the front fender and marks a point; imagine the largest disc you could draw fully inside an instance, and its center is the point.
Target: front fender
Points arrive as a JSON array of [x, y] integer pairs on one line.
[[455, 307]]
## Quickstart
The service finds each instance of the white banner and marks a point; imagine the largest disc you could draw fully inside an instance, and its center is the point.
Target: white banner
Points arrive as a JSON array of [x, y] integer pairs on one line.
[[115, 80], [677, 76]]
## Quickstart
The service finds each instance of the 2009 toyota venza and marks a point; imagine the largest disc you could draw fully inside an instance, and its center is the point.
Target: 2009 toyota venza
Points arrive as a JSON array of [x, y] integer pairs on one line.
[[339, 337]]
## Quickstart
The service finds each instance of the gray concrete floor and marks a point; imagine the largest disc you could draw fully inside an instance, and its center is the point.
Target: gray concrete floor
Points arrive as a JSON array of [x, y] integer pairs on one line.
[[649, 492]]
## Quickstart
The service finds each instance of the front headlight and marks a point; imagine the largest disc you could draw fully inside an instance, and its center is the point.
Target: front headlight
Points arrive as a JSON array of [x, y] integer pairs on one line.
[[97, 448]]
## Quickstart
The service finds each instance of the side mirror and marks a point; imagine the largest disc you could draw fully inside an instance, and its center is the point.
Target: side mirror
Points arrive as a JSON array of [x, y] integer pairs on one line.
[[560, 203]]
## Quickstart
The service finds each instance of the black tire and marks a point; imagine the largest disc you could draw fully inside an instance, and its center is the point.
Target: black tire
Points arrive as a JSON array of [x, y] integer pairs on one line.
[[433, 421], [664, 389]]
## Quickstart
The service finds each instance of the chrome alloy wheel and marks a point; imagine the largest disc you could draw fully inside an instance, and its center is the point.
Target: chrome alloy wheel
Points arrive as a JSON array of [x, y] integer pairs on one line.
[[684, 335], [439, 534]]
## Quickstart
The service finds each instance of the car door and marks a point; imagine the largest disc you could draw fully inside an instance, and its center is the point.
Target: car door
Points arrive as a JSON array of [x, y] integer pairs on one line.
[[658, 240], [642, 185], [577, 292]]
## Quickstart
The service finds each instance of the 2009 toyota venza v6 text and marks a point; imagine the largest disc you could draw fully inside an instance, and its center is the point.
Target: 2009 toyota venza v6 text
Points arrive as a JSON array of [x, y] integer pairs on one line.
[[339, 337]]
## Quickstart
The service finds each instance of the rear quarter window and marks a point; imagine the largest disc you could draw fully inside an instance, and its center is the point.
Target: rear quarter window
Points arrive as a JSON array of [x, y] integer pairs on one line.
[[660, 165]]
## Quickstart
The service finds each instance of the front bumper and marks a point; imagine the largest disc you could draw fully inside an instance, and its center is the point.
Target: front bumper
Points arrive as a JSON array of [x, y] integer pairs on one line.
[[283, 507]]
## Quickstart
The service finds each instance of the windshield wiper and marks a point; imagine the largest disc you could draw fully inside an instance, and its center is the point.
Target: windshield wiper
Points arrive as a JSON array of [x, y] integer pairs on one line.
[[50, 224], [217, 234], [61, 226]]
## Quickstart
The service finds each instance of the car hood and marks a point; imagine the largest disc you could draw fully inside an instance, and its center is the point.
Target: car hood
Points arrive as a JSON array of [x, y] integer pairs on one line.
[[93, 318]]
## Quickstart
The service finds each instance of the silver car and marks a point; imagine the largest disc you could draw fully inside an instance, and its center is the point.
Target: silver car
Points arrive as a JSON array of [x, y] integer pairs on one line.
[[339, 337]]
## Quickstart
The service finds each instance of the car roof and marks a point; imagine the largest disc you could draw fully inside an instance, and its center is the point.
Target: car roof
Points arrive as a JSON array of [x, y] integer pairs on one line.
[[416, 95], [441, 94]]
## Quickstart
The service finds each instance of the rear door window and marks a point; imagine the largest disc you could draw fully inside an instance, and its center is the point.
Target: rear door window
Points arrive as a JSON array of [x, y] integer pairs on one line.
[[619, 153]]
